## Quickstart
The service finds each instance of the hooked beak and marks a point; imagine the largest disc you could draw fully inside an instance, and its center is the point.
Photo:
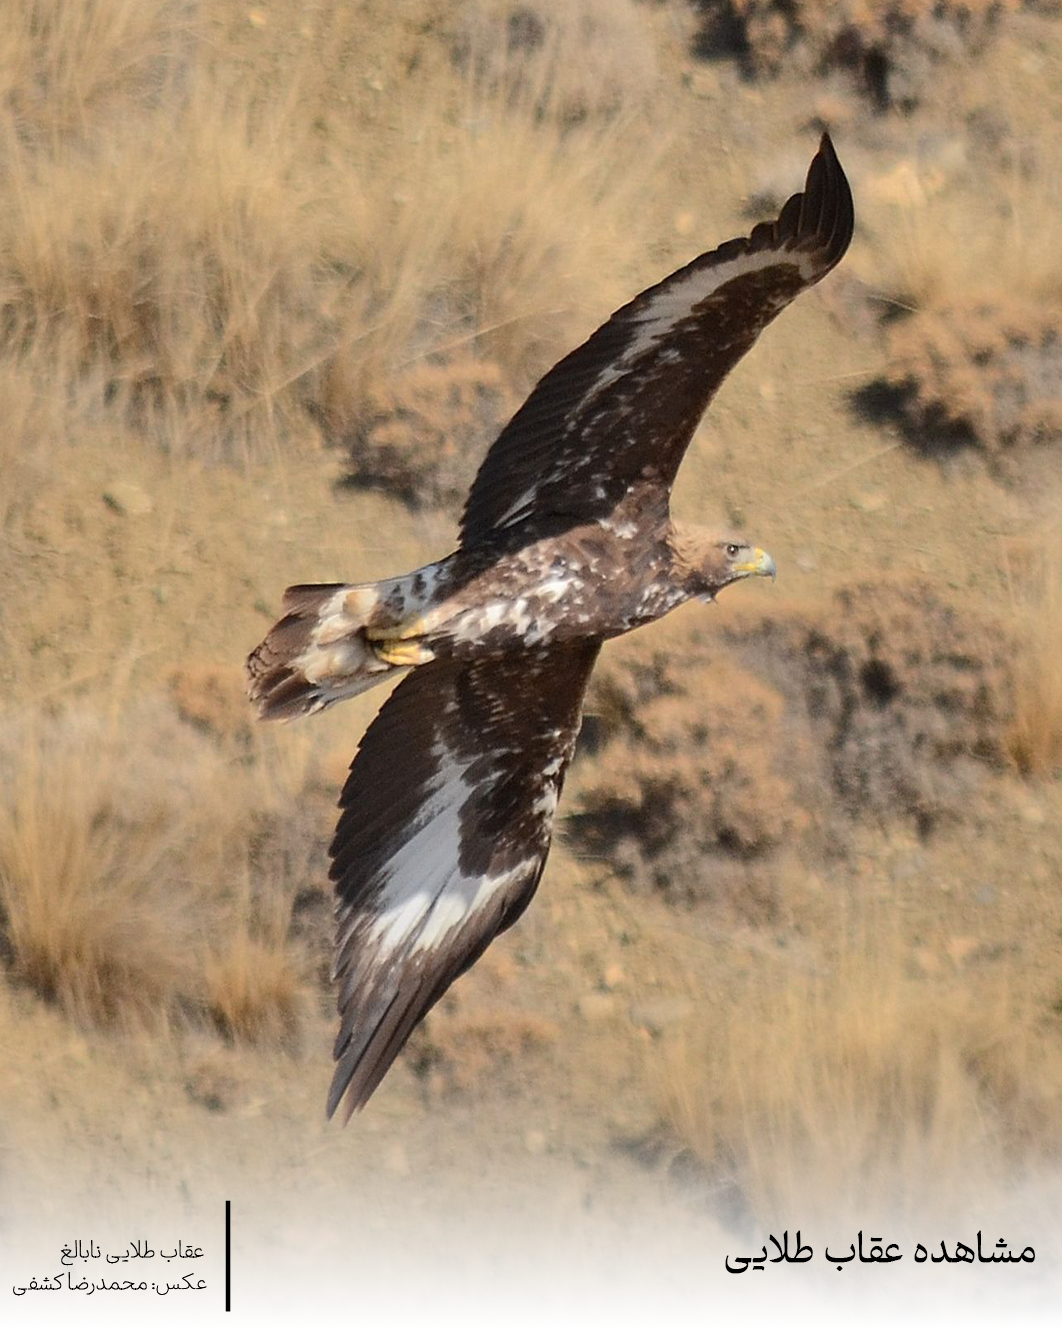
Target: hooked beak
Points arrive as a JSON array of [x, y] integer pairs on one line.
[[760, 564]]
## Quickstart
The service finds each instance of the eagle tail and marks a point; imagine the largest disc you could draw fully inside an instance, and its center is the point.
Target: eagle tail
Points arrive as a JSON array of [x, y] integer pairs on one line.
[[318, 653]]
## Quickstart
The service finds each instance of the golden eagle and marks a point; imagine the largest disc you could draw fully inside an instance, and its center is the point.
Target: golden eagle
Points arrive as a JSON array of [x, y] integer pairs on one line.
[[566, 540]]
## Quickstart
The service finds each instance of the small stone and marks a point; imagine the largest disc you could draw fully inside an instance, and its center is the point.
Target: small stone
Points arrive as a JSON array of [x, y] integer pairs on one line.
[[703, 81], [614, 977], [871, 500], [127, 499], [535, 1142]]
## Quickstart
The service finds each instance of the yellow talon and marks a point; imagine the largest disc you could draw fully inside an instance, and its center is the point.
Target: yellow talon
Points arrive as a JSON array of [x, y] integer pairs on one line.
[[403, 654]]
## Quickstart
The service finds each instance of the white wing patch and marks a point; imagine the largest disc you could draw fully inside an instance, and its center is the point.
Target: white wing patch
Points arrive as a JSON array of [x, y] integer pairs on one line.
[[677, 301], [423, 893]]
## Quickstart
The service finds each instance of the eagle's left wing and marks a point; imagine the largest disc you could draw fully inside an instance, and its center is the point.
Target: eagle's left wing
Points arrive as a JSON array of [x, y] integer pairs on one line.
[[446, 823], [621, 409]]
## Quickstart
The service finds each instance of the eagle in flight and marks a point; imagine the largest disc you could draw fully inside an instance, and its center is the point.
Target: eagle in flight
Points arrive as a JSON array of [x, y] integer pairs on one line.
[[566, 540]]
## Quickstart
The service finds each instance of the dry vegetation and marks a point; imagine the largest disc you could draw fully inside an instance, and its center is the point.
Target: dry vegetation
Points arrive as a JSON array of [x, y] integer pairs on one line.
[[464, 1053], [423, 432], [127, 843], [200, 238], [90, 855], [979, 372], [1034, 741], [886, 702], [238, 233], [971, 316], [889, 49], [832, 1094], [205, 253]]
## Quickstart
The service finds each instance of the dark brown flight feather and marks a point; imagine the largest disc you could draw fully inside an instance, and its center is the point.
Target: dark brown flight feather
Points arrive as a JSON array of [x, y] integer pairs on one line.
[[470, 758], [621, 408]]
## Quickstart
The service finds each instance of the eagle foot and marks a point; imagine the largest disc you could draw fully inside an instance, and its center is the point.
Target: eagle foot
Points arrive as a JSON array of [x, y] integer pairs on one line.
[[402, 654]]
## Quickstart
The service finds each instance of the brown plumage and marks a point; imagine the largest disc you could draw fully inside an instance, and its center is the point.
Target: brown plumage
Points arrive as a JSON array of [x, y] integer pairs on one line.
[[566, 540]]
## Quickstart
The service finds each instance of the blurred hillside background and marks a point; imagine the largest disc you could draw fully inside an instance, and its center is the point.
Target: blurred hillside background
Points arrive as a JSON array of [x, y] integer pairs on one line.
[[271, 278]]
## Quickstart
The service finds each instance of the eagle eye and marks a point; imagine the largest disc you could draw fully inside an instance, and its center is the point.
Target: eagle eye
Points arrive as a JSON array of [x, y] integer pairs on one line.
[[732, 550]]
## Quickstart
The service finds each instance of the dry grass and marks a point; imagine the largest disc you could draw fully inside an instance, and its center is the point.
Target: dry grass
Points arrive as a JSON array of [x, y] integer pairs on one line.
[[255, 989], [711, 755], [890, 49], [63, 64], [525, 54], [33, 423], [424, 430], [980, 372], [124, 857], [208, 220], [925, 253], [85, 864], [476, 237], [1034, 742], [972, 313], [859, 1091]]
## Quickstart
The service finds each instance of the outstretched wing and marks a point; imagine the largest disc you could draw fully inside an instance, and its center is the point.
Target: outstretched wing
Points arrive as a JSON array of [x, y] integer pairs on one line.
[[622, 407], [446, 823]]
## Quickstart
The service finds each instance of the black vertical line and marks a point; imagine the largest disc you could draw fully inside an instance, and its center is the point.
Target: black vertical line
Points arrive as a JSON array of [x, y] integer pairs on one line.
[[228, 1255]]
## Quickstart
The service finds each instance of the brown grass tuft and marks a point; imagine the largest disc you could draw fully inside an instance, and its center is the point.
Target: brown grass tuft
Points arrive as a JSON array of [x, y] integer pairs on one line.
[[689, 771], [211, 698], [199, 224], [979, 371], [424, 430], [1034, 741], [972, 328], [128, 841], [860, 1091], [889, 49], [886, 702], [254, 990], [88, 915]]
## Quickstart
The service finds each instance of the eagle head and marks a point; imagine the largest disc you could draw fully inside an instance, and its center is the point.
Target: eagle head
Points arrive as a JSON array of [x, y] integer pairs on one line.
[[708, 562]]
